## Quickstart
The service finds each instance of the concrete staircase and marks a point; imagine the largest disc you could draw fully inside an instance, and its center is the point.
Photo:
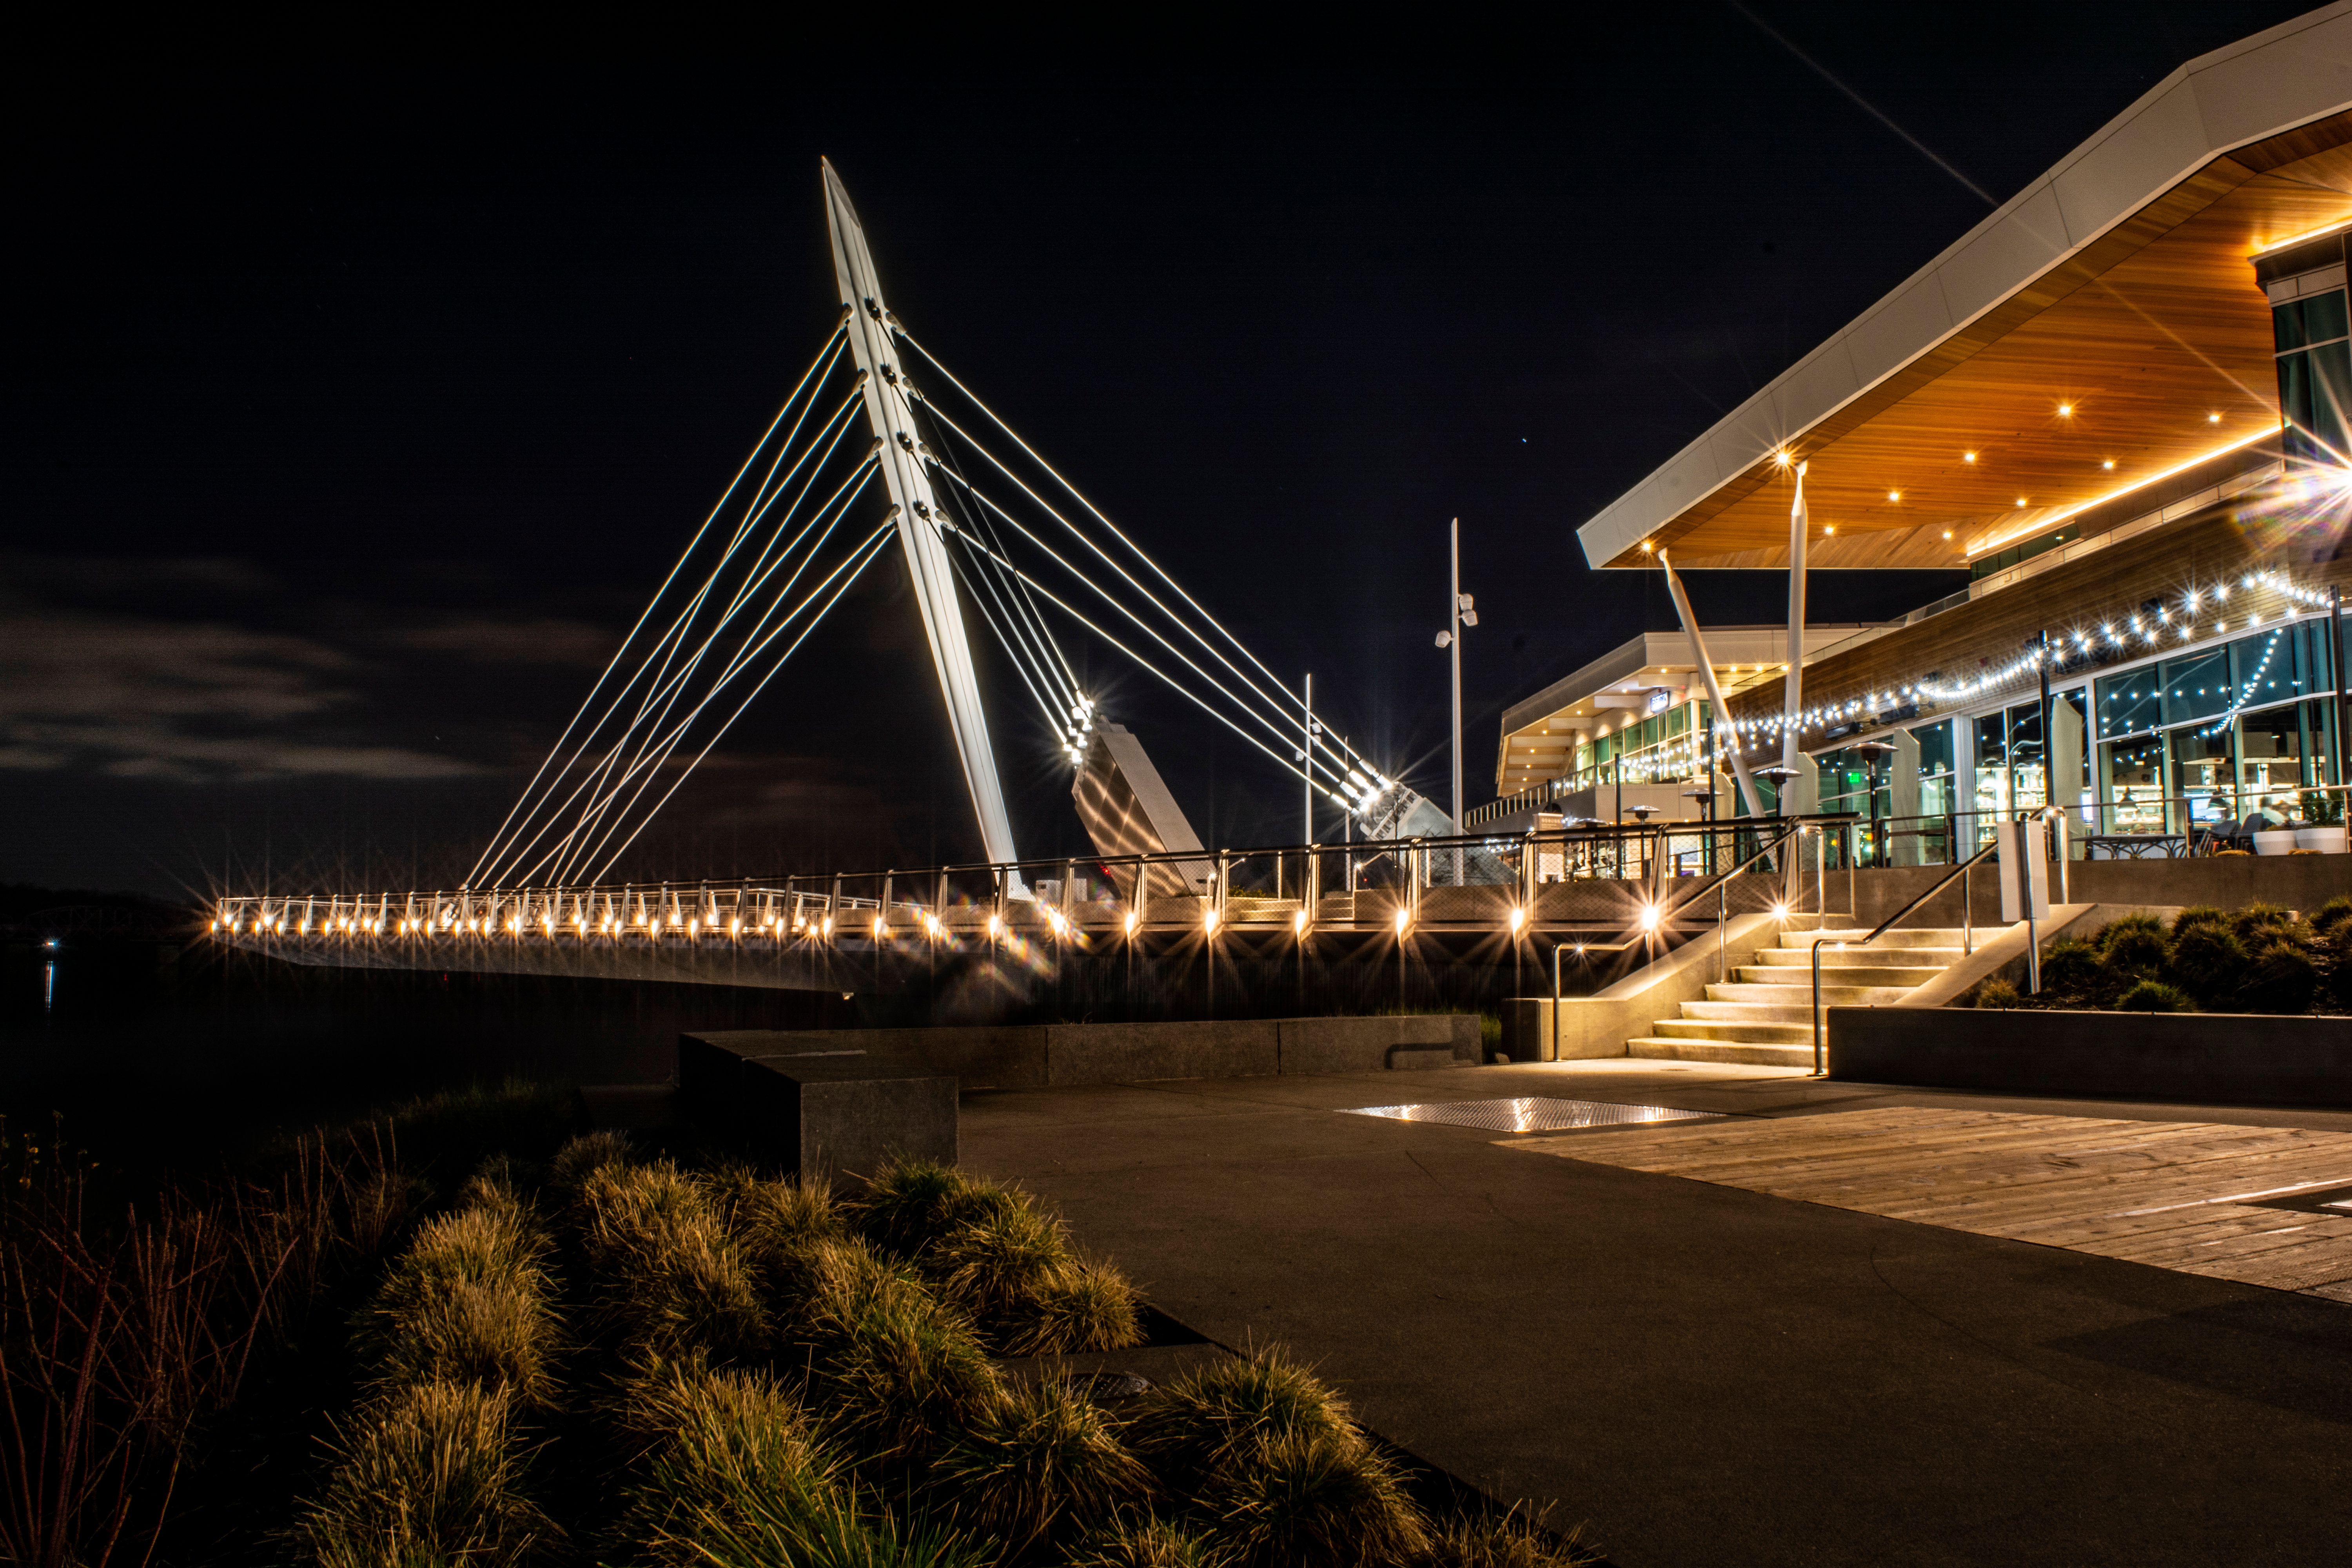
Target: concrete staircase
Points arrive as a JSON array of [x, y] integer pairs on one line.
[[1762, 1016]]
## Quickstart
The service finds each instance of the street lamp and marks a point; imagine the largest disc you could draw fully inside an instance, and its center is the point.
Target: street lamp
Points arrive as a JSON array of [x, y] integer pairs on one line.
[[1461, 612]]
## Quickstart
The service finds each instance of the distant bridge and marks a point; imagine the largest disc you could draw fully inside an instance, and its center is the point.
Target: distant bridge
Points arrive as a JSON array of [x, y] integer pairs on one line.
[[989, 530]]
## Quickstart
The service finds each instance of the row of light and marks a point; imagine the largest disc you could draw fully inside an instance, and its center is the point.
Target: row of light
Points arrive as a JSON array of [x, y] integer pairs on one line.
[[1061, 925], [1081, 729], [2149, 633]]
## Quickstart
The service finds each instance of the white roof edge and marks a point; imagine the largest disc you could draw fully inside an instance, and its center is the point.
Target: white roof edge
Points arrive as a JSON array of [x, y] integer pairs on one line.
[[2289, 75]]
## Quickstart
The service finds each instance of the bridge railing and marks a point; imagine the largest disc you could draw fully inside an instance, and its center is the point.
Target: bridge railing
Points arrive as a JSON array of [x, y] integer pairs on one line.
[[1483, 882]]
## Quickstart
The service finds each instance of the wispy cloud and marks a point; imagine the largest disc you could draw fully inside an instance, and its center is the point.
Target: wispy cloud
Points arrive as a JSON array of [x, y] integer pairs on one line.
[[540, 641], [136, 696]]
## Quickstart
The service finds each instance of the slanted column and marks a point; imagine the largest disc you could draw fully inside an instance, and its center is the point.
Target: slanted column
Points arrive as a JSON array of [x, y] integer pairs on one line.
[[1795, 797]]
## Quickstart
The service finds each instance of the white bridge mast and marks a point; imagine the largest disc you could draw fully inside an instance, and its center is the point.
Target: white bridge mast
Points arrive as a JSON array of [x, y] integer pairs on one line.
[[916, 511]]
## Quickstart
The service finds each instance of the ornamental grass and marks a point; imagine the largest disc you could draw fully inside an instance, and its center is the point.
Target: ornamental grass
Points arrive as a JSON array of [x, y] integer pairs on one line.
[[670, 1276], [1041, 1462], [735, 1473], [898, 1374], [433, 1476], [911, 1204], [1147, 1542], [1317, 1499], [1500, 1538], [1210, 1420]]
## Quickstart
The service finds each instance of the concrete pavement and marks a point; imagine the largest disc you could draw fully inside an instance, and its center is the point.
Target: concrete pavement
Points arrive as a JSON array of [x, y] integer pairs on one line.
[[1712, 1375]]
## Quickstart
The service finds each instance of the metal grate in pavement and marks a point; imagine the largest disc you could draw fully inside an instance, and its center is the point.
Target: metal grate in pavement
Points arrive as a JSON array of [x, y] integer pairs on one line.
[[1531, 1114]]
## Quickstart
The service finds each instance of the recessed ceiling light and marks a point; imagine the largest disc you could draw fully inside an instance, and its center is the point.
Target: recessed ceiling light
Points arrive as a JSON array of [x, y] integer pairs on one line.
[[1968, 457], [2020, 501], [2108, 464], [2066, 411], [1893, 495], [1947, 533], [2212, 419]]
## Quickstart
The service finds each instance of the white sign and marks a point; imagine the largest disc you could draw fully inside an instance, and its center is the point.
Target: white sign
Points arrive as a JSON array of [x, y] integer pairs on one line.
[[1661, 698], [2025, 855]]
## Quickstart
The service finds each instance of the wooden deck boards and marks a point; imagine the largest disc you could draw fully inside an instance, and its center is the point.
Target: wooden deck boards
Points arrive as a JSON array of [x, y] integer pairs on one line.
[[2167, 1194]]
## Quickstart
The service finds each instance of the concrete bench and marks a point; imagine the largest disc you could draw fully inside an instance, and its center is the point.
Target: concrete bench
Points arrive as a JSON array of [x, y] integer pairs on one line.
[[825, 1114]]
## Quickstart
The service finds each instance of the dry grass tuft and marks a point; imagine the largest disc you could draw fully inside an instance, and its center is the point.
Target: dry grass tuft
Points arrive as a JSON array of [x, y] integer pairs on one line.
[[1211, 1420], [1043, 1463], [1081, 1306], [1318, 1499], [1147, 1543], [993, 1265], [434, 1478], [468, 1302], [898, 1374], [1507, 1539], [671, 1277], [582, 1157], [911, 1204], [735, 1474]]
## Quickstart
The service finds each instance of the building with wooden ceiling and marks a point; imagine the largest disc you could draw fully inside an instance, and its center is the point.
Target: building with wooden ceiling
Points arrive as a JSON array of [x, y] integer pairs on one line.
[[2117, 402]]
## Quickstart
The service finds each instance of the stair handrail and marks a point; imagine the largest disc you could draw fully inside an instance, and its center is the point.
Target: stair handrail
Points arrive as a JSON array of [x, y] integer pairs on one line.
[[1785, 829], [1968, 927]]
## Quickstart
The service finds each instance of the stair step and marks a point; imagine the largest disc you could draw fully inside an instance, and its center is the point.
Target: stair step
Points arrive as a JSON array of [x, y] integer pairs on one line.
[[1790, 1032], [1845, 974], [1832, 957], [1796, 1009], [1734, 1053], [1833, 996], [1907, 936]]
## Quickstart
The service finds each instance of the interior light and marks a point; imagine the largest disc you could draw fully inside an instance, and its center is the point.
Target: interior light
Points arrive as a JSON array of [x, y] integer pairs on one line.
[[1947, 533], [2110, 463], [2212, 419], [1968, 457], [2066, 411], [1893, 495], [2020, 501]]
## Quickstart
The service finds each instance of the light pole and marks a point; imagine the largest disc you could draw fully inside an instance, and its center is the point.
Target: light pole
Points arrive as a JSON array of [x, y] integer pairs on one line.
[[1460, 612]]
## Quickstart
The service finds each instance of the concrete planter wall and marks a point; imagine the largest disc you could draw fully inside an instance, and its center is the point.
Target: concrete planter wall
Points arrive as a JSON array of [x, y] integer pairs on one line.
[[1041, 1056], [2211, 1058]]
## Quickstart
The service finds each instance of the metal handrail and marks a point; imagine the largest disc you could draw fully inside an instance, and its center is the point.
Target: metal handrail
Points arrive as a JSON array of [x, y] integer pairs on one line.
[[1968, 945], [1660, 916]]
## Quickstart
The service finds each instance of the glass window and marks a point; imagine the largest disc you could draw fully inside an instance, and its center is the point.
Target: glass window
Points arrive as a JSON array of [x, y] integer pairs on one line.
[[2323, 318], [1992, 771], [1934, 750], [2316, 639], [2131, 776], [2130, 703], [2263, 669], [2196, 688], [2201, 773], [2273, 755], [2287, 326], [2025, 756]]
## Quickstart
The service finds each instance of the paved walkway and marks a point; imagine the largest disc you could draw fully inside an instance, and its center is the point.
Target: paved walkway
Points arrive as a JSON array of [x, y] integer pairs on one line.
[[1713, 1374]]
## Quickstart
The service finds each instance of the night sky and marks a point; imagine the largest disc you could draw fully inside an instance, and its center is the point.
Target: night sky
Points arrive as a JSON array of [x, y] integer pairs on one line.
[[356, 404]]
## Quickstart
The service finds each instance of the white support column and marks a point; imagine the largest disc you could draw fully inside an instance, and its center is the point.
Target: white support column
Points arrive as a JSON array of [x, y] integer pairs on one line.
[[901, 458], [1792, 690], [1713, 691]]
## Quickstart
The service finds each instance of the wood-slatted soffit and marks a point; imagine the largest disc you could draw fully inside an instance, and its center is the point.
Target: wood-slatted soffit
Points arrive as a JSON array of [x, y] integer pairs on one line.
[[2101, 330]]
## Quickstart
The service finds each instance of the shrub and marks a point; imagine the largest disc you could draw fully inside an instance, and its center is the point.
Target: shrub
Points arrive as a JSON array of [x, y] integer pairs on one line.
[[466, 1304], [1082, 1306], [1507, 1539], [672, 1278], [2196, 915], [2258, 925], [991, 1265], [1996, 992], [2155, 997], [1318, 1499], [582, 1157], [2283, 978], [911, 1204], [2332, 914], [1146, 1543], [2132, 947], [432, 1479], [2071, 966], [1043, 1462], [1213, 1418], [735, 1475], [2209, 962], [897, 1373]]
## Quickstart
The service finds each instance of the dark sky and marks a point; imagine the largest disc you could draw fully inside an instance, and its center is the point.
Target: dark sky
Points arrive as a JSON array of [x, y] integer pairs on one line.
[[357, 403]]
